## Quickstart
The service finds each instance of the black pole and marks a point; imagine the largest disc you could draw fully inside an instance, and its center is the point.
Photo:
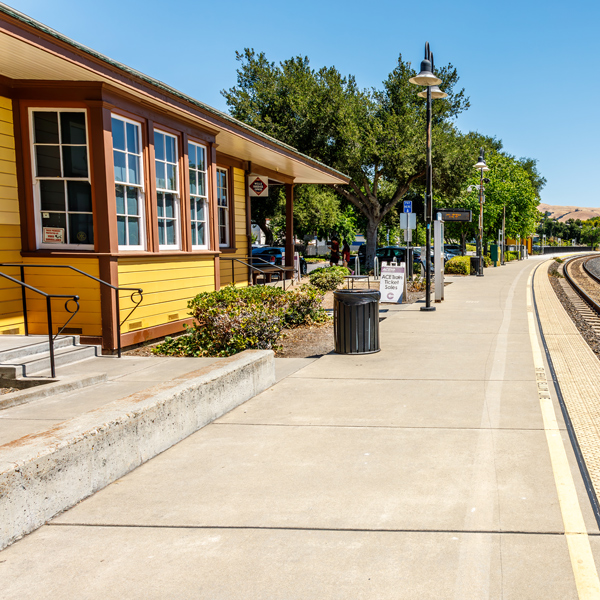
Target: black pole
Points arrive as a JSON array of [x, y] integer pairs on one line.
[[480, 270], [428, 210], [118, 307], [24, 301], [50, 338]]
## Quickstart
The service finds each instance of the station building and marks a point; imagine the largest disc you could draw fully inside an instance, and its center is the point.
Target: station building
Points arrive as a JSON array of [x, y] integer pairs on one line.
[[109, 171]]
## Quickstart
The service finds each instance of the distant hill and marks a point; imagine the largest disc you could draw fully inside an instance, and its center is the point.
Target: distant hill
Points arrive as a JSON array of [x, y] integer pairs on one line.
[[564, 213]]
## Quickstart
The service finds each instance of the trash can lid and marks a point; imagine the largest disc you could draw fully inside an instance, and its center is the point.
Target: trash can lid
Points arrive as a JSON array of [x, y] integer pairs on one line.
[[355, 297]]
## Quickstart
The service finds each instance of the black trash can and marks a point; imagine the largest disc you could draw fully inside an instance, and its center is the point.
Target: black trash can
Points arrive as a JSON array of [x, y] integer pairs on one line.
[[474, 265], [356, 321]]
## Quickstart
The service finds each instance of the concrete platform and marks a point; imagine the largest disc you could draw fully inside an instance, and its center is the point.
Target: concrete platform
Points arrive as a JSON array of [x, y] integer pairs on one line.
[[427, 470]]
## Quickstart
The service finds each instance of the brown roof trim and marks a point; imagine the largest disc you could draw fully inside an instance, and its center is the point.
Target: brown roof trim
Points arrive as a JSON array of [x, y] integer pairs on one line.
[[43, 34]]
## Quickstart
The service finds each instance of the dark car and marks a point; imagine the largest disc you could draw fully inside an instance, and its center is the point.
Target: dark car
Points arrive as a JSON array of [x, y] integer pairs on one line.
[[385, 254], [274, 256]]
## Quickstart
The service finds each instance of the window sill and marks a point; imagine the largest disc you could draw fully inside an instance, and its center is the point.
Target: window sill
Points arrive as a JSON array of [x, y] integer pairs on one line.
[[227, 250], [130, 253]]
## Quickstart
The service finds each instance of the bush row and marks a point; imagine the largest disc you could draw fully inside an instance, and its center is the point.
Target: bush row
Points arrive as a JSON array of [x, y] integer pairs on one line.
[[233, 319], [328, 279]]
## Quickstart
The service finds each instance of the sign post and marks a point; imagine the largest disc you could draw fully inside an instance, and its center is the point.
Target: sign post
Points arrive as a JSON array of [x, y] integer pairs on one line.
[[408, 222]]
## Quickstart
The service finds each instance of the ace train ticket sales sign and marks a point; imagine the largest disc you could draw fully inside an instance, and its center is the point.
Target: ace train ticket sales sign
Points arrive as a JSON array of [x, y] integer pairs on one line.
[[392, 283]]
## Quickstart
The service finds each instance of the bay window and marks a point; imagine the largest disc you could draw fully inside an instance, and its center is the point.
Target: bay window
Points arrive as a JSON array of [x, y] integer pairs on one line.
[[223, 206], [129, 187], [198, 195], [61, 178]]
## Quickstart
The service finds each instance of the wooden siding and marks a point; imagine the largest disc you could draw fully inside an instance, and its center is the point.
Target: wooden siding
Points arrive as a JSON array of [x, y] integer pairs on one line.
[[11, 315], [241, 240], [168, 283]]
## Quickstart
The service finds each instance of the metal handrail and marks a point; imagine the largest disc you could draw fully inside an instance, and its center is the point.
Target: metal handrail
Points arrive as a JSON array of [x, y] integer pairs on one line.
[[51, 338], [251, 266], [134, 292]]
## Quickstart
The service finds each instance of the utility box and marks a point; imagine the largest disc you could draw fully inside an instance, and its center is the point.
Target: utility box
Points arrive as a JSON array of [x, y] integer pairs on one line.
[[495, 254]]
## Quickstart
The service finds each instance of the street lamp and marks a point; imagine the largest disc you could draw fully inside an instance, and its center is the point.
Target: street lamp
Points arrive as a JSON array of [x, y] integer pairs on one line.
[[481, 167], [427, 78]]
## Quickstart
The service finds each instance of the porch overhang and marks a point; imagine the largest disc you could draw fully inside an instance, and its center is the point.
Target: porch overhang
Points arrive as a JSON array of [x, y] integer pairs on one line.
[[33, 52]]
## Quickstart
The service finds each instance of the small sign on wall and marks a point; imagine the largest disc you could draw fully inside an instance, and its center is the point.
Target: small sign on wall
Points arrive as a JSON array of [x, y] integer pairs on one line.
[[53, 235], [258, 186]]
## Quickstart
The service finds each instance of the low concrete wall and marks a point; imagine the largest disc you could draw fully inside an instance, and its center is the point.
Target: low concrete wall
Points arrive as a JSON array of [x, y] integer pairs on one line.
[[43, 474]]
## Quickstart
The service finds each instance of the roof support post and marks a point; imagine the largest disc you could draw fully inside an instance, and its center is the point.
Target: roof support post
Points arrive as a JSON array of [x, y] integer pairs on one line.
[[289, 228]]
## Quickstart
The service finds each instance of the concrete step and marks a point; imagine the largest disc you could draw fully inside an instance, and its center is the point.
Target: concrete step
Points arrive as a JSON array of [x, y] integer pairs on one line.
[[40, 362], [22, 351]]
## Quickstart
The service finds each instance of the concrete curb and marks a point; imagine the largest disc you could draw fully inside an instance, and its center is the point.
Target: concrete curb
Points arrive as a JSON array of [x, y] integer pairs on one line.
[[43, 474]]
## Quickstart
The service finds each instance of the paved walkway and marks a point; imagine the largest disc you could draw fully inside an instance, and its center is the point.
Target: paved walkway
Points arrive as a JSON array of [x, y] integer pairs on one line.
[[423, 471]]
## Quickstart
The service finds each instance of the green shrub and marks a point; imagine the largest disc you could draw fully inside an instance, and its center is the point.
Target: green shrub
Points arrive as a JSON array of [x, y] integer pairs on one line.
[[459, 265], [313, 259], [233, 319], [471, 248], [510, 255], [328, 279], [304, 306], [487, 261], [559, 260]]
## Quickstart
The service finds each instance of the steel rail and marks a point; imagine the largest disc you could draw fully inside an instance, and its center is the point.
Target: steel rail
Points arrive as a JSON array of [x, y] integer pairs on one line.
[[595, 306]]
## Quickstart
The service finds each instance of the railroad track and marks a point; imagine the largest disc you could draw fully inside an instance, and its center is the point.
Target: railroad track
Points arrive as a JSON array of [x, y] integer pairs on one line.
[[586, 305]]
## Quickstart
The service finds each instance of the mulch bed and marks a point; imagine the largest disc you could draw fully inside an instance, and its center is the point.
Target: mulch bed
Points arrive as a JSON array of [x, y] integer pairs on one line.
[[309, 341]]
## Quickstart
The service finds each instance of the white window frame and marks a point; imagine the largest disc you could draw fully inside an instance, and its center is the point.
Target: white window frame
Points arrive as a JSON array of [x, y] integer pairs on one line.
[[200, 198], [175, 193], [226, 209], [139, 187], [37, 198]]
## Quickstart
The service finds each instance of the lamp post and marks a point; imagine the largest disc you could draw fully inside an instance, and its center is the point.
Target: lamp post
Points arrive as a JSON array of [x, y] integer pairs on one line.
[[427, 78], [481, 167]]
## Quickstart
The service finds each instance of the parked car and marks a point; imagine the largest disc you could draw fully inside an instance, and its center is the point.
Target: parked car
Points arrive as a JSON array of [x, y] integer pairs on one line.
[[274, 256], [385, 254]]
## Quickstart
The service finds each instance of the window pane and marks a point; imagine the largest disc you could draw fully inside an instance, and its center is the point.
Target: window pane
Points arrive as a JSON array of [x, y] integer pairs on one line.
[[192, 156], [193, 210], [160, 176], [161, 232], [169, 206], [52, 195], [222, 217], [119, 160], [200, 211], [200, 241], [222, 235], [201, 186], [80, 196], [159, 146], [201, 160], [120, 193], [132, 138], [193, 182], [194, 235], [45, 126], [170, 233], [132, 201], [134, 231], [121, 230], [75, 161], [160, 204], [55, 220], [81, 229], [72, 128], [134, 168], [171, 175], [118, 134], [171, 154], [47, 161]]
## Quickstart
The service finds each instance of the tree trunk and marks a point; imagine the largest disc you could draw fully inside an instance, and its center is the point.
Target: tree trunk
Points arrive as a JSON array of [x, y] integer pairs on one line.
[[371, 244], [463, 243], [267, 231]]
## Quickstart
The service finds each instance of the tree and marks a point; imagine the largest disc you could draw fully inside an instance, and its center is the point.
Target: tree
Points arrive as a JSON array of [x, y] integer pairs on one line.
[[372, 136]]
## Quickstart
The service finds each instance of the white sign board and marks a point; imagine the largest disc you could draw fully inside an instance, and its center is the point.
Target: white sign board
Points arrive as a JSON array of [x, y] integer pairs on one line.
[[392, 283], [408, 220], [258, 186]]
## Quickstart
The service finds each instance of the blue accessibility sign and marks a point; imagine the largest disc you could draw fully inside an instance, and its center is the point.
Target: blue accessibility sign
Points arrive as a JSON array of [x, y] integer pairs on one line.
[[407, 206]]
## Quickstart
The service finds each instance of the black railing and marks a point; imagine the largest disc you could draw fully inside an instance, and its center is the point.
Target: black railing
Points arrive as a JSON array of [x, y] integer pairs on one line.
[[51, 338], [134, 292], [281, 271]]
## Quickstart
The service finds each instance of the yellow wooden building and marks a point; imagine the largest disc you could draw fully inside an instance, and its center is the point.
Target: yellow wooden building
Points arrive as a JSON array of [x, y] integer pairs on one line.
[[125, 179]]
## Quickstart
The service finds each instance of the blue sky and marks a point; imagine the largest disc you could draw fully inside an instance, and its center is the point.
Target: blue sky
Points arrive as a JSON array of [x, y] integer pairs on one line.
[[527, 66]]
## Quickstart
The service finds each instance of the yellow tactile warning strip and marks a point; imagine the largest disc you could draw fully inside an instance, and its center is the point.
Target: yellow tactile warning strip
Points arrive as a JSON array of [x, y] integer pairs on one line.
[[558, 330]]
